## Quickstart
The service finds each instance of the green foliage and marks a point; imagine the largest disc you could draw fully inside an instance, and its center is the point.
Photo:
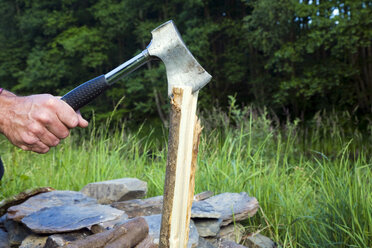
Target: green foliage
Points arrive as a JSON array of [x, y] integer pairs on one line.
[[299, 56], [316, 55]]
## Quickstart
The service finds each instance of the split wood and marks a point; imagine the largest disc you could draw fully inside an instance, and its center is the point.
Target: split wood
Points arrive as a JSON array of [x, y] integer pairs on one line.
[[183, 145], [126, 235]]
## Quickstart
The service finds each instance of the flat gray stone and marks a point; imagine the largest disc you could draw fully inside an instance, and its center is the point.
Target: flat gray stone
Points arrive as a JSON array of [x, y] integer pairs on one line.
[[123, 189], [34, 241], [141, 207], [203, 209], [207, 227], [4, 239], [46, 200], [193, 236], [154, 205], [60, 240], [260, 241], [232, 232], [2, 220], [205, 244], [17, 232], [233, 206], [21, 197], [69, 218], [229, 244], [154, 222], [104, 226]]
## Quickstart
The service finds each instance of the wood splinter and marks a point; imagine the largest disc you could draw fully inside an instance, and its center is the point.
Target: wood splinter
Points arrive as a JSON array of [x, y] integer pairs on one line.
[[183, 145]]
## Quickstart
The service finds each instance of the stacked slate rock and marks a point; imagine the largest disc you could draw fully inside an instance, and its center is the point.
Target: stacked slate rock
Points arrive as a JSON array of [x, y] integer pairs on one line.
[[111, 214]]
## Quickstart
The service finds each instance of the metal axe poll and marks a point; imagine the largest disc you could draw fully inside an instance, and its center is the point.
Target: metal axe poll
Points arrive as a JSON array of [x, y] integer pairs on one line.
[[181, 67]]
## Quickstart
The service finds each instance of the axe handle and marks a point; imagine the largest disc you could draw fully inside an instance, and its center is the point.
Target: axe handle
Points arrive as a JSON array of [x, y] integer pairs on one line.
[[86, 92]]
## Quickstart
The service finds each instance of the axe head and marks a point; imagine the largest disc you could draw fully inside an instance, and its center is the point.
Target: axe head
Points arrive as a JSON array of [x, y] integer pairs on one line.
[[181, 66]]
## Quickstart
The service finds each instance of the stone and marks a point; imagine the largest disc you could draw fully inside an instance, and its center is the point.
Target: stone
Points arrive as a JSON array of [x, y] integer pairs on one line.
[[203, 209], [232, 232], [233, 206], [104, 226], [205, 244], [154, 222], [193, 236], [151, 206], [2, 220], [69, 218], [47, 200], [259, 241], [61, 240], [34, 241], [4, 239], [123, 189], [21, 197], [207, 227], [141, 207], [17, 232], [229, 244]]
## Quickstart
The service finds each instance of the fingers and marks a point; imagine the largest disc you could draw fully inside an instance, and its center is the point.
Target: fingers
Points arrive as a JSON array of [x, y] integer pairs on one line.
[[57, 128], [82, 122], [38, 122], [38, 147], [52, 120], [66, 114], [30, 142]]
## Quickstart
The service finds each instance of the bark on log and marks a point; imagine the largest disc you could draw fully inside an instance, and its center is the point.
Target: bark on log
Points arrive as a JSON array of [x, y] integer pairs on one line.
[[184, 133], [126, 235], [148, 242], [203, 195]]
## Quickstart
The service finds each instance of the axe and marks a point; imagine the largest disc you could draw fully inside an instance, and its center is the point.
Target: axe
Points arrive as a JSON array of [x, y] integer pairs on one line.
[[181, 67]]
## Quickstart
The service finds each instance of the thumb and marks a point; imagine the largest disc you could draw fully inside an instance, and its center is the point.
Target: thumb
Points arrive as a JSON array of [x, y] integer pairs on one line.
[[82, 122]]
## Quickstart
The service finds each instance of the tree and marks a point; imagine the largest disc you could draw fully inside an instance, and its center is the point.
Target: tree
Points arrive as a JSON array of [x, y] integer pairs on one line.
[[315, 51]]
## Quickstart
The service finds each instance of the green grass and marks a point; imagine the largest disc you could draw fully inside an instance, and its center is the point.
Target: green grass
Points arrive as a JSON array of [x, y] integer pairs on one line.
[[313, 183]]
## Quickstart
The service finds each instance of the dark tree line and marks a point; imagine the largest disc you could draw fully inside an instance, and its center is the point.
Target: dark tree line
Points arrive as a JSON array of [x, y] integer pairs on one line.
[[294, 56]]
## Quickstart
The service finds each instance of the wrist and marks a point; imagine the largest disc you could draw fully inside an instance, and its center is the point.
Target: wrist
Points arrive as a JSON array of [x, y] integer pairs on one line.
[[7, 100], [4, 92]]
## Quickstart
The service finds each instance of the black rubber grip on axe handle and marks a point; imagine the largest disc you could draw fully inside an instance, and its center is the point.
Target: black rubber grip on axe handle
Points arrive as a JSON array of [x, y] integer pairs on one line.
[[86, 92]]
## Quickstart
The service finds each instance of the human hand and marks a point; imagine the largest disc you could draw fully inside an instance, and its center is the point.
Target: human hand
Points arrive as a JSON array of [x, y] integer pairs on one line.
[[36, 122]]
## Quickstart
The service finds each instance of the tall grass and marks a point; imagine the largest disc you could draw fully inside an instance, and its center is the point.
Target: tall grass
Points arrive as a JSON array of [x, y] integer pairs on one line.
[[313, 183]]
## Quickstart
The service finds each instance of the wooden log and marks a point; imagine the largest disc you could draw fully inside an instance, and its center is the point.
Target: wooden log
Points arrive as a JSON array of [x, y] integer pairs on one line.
[[126, 235], [184, 133], [203, 195], [148, 242]]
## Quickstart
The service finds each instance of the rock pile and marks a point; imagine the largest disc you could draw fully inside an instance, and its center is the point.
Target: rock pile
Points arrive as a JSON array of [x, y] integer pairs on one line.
[[109, 214]]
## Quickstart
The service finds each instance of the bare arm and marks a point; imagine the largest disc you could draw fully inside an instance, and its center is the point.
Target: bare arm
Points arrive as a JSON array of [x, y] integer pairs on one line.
[[36, 122]]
